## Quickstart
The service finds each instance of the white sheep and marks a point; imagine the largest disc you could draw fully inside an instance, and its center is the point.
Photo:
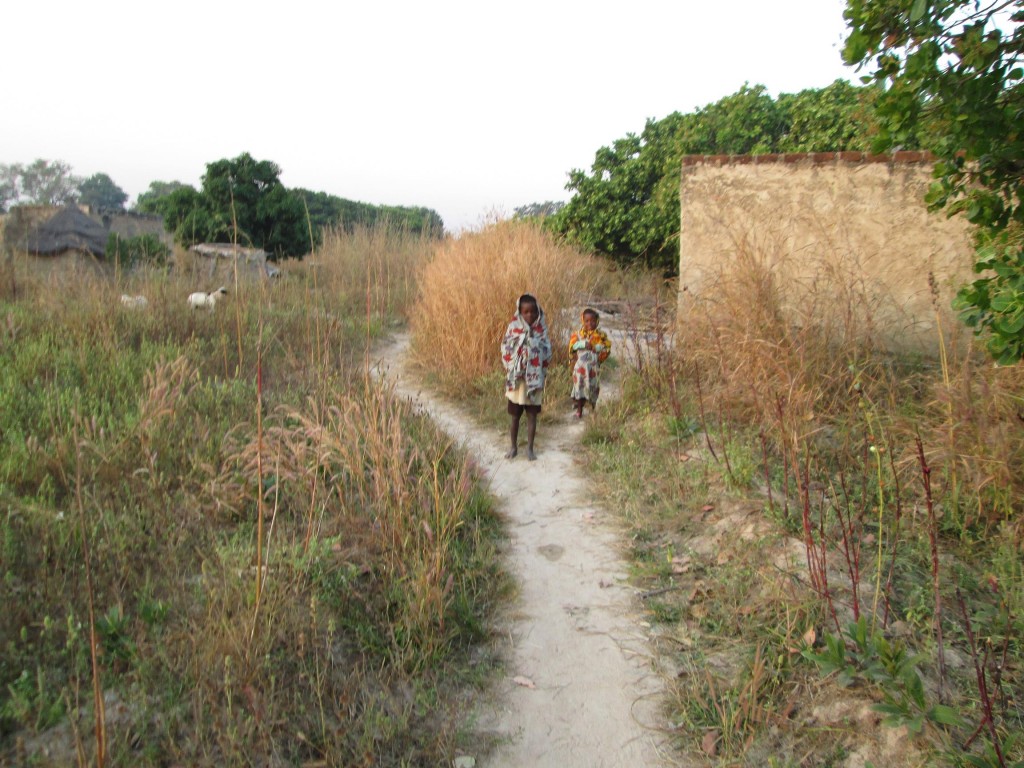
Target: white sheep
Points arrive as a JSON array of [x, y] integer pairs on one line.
[[134, 302], [206, 300]]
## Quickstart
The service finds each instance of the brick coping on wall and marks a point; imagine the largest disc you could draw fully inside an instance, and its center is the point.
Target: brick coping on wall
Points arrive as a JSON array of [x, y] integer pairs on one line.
[[902, 157]]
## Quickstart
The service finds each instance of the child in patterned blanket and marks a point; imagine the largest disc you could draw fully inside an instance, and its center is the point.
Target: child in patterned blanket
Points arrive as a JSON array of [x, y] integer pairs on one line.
[[525, 353], [588, 348]]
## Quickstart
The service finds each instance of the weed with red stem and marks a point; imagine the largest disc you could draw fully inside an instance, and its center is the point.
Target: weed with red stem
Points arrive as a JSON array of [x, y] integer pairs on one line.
[[933, 540], [852, 527], [988, 718]]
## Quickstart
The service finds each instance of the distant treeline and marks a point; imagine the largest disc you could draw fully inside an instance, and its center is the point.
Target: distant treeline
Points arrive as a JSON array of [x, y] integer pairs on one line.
[[326, 210], [243, 200]]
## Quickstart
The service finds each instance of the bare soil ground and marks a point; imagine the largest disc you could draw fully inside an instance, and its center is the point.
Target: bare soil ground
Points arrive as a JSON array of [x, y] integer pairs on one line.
[[581, 686]]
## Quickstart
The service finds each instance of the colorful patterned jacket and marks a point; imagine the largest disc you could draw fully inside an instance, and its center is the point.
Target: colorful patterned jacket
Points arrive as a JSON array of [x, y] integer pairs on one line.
[[596, 338], [526, 351]]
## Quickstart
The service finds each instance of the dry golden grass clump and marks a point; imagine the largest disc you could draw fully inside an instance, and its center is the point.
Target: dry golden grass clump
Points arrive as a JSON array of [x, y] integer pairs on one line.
[[973, 431], [468, 292]]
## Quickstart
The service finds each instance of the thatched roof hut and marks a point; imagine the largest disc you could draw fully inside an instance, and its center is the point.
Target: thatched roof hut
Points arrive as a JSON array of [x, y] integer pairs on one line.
[[68, 230]]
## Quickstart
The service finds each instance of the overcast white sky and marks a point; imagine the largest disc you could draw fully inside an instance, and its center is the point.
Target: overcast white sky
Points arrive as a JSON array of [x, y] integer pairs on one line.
[[468, 107]]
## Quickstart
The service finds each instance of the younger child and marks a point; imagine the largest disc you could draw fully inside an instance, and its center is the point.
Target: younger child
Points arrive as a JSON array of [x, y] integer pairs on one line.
[[588, 348], [525, 353]]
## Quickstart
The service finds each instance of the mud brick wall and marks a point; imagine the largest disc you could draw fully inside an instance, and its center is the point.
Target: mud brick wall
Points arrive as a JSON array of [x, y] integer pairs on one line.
[[804, 215]]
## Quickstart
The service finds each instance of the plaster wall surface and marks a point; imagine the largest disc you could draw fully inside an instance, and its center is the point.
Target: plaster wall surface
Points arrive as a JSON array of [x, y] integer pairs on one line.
[[816, 221]]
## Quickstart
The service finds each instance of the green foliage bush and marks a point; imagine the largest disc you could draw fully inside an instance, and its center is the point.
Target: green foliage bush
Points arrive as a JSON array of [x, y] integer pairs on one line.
[[128, 252]]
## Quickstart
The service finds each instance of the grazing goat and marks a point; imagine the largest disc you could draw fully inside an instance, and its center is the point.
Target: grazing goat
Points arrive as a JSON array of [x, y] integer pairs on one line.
[[134, 302], [206, 300]]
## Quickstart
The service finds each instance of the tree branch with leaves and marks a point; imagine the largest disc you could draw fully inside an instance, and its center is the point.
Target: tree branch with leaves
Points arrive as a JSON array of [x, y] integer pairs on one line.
[[951, 72]]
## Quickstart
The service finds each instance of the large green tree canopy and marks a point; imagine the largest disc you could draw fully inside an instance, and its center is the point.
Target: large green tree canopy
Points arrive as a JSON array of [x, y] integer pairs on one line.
[[954, 68], [247, 196], [149, 201], [241, 200], [627, 205], [100, 191]]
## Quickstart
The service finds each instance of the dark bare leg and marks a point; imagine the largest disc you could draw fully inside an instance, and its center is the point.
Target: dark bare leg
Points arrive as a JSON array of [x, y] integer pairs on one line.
[[531, 431], [513, 433]]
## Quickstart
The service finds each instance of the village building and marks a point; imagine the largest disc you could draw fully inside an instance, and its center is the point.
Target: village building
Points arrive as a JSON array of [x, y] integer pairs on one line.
[[222, 262], [55, 240]]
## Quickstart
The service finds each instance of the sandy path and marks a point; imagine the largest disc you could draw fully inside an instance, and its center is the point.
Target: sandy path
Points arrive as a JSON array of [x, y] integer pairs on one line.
[[573, 633]]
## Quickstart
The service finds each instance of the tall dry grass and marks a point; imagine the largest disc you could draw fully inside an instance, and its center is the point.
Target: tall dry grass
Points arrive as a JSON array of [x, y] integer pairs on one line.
[[7, 283], [807, 360], [762, 339], [373, 266], [214, 451], [468, 292], [347, 471]]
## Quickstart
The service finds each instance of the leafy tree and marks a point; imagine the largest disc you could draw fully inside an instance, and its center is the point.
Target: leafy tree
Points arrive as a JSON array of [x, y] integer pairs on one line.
[[8, 185], [100, 191], [49, 183], [42, 182], [326, 210], [149, 201], [596, 218], [248, 193], [953, 69], [240, 192], [837, 117], [424, 221], [189, 215], [749, 122]]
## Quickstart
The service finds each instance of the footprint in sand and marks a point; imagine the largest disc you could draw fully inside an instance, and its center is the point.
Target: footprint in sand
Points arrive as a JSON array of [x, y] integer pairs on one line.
[[551, 551]]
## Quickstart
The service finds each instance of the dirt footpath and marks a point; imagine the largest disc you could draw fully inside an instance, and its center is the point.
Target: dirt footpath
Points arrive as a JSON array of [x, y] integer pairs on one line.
[[581, 689]]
